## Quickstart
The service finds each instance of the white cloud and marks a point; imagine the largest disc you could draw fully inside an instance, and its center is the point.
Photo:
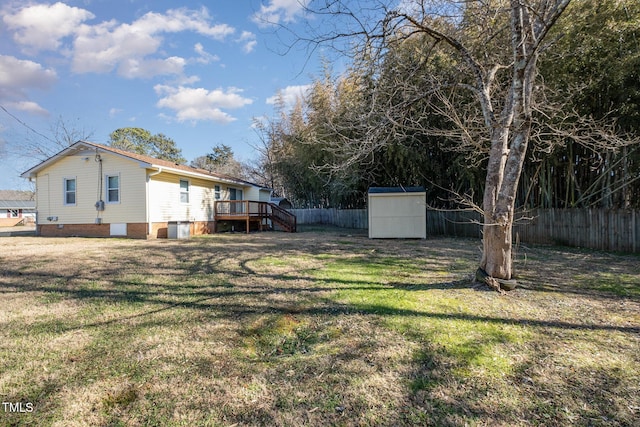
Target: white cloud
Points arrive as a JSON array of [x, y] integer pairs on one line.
[[113, 112], [249, 46], [279, 11], [17, 76], [178, 20], [289, 95], [204, 57], [141, 68], [185, 80], [103, 47], [42, 27], [21, 73], [133, 49], [249, 40], [195, 104], [28, 107]]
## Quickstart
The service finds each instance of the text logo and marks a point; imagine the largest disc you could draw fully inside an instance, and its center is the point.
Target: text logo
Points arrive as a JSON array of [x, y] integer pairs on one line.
[[21, 407]]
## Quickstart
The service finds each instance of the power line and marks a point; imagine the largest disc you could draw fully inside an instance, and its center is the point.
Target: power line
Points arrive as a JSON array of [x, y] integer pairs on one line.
[[25, 125]]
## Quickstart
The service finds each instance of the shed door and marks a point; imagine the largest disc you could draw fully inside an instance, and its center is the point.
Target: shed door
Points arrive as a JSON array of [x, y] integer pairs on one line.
[[397, 215]]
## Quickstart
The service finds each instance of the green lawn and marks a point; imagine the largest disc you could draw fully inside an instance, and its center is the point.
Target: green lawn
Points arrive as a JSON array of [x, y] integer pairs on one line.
[[322, 327]]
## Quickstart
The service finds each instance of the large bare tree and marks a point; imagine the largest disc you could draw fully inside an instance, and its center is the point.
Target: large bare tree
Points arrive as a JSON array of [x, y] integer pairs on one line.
[[494, 47]]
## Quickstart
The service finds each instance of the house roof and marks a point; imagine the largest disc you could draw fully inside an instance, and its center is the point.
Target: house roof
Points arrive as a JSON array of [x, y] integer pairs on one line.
[[17, 195], [17, 204], [386, 190], [146, 161]]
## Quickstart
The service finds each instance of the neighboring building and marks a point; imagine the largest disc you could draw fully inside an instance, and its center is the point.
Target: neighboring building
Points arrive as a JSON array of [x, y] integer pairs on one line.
[[14, 212], [91, 189]]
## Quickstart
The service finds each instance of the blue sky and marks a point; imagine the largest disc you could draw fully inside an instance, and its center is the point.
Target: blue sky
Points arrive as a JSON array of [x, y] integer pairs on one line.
[[198, 72]]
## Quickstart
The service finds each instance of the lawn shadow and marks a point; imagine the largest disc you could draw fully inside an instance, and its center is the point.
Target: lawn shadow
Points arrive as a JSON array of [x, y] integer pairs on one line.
[[194, 283]]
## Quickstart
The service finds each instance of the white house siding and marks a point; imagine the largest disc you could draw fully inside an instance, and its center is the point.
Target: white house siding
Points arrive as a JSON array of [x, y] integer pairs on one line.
[[225, 193], [165, 204], [256, 193], [84, 168]]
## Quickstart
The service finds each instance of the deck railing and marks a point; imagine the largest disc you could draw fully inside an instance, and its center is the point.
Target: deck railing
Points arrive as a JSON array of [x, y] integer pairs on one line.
[[249, 210]]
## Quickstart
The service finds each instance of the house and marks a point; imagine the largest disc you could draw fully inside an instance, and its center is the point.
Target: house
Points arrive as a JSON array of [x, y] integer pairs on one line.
[[14, 212], [90, 189]]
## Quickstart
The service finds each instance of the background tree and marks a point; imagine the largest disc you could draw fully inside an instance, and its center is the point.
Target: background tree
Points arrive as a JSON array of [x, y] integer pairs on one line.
[[141, 141], [221, 160], [33, 144], [593, 71], [462, 77]]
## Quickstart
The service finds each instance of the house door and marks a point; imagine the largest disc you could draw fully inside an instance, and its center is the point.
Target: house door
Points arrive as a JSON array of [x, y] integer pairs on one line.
[[235, 194]]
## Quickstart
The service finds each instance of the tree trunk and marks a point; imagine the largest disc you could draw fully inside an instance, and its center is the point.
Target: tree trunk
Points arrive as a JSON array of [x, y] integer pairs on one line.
[[496, 259]]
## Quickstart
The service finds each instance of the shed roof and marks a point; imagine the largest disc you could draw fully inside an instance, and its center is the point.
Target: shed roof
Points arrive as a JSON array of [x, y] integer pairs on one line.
[[389, 190]]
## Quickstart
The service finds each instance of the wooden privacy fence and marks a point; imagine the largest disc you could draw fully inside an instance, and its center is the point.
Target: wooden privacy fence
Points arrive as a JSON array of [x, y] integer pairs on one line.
[[604, 229], [346, 218]]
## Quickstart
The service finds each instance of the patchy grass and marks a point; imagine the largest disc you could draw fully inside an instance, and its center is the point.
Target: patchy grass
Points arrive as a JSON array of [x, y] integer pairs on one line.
[[323, 327]]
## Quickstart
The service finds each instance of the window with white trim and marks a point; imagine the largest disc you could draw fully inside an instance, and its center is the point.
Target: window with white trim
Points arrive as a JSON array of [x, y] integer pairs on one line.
[[70, 191], [113, 188], [184, 191], [216, 192], [14, 213]]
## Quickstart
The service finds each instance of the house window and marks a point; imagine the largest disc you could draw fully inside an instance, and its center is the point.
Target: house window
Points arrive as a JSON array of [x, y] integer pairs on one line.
[[216, 192], [113, 188], [69, 191], [14, 213], [184, 191]]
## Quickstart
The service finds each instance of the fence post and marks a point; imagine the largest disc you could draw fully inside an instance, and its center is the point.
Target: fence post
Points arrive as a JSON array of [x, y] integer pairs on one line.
[[634, 231]]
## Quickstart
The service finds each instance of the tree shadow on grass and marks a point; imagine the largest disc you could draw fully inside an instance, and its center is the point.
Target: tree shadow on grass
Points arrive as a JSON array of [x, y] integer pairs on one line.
[[216, 298], [536, 323], [247, 294]]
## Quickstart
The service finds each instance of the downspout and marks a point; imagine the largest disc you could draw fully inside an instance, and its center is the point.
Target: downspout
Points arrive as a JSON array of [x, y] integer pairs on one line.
[[149, 175]]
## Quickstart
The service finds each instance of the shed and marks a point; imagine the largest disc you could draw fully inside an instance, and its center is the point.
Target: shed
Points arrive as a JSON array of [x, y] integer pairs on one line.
[[283, 202], [397, 213]]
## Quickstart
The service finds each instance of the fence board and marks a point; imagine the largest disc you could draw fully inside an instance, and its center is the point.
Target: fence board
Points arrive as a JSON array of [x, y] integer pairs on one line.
[[612, 230]]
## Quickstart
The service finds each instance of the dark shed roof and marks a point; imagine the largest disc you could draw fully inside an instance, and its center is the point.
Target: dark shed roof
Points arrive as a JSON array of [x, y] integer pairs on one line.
[[380, 190]]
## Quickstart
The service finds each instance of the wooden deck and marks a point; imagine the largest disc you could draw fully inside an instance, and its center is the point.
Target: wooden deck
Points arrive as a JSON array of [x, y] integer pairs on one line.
[[249, 211]]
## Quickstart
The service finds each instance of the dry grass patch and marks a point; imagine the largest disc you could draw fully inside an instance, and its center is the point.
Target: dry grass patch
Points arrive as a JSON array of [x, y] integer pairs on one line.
[[314, 328]]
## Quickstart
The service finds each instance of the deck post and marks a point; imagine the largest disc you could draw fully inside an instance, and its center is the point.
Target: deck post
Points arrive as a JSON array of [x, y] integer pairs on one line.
[[246, 212]]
